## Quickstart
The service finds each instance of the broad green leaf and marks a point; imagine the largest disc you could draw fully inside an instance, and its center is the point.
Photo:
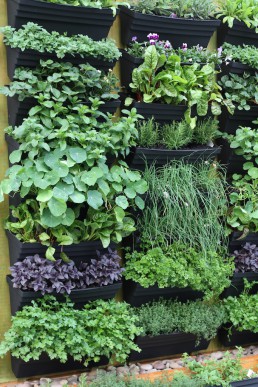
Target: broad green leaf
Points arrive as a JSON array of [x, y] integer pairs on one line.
[[50, 253], [140, 186], [90, 177], [119, 213], [68, 217], [94, 199], [15, 156], [57, 206], [77, 197], [34, 110], [78, 154], [253, 172], [122, 201], [130, 193], [49, 219], [139, 202], [44, 195]]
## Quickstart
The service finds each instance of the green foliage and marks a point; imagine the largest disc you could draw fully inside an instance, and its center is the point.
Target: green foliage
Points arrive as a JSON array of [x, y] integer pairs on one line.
[[240, 90], [189, 9], [168, 316], [180, 266], [243, 206], [185, 203], [62, 82], [242, 10], [32, 36], [113, 4], [245, 54], [242, 311], [217, 373], [102, 328], [164, 80], [176, 134]]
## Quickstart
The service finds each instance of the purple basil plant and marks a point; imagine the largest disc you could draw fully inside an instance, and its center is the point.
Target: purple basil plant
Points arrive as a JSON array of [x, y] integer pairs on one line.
[[41, 275], [246, 259]]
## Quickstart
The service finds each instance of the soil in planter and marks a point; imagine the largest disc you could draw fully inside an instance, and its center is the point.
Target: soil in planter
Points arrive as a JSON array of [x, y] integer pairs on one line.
[[165, 345]]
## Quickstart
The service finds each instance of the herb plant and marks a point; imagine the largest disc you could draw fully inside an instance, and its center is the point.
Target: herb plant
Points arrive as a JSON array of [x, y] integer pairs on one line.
[[242, 311], [242, 10], [164, 80], [113, 4], [168, 316], [62, 82], [41, 275], [246, 259], [102, 328], [189, 9], [240, 90], [176, 134], [180, 266], [34, 37], [245, 54]]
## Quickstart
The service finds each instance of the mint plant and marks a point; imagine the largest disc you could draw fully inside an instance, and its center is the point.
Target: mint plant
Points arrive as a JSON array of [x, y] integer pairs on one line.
[[164, 80], [102, 328], [244, 54], [34, 37]]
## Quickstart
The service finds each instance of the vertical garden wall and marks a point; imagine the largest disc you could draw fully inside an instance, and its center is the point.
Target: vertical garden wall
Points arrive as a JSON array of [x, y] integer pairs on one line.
[[87, 180]]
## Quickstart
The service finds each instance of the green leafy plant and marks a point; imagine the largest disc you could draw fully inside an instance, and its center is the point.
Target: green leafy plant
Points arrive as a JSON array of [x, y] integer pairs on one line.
[[245, 54], [242, 311], [180, 266], [185, 204], [189, 9], [102, 328], [62, 82], [240, 90], [217, 373], [242, 10], [168, 316], [113, 4], [164, 80], [176, 134], [31, 36]]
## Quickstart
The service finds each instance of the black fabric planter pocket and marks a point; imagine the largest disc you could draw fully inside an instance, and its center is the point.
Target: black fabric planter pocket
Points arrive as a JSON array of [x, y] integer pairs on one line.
[[136, 295], [19, 298], [18, 110], [239, 34], [31, 58], [128, 64], [166, 345], [139, 157], [227, 157], [62, 18], [177, 31], [237, 284], [45, 366], [161, 112], [236, 337], [81, 252], [246, 383], [235, 243], [235, 68], [230, 122]]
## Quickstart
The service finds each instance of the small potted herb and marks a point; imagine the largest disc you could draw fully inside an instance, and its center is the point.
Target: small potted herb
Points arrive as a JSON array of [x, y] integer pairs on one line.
[[241, 317], [93, 279], [191, 22], [162, 143], [57, 338], [239, 59], [171, 327], [133, 55], [175, 258], [61, 82], [239, 22], [31, 43], [246, 266], [88, 17], [163, 88]]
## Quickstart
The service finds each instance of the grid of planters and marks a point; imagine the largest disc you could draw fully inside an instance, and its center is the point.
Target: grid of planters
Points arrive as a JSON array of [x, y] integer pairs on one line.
[[84, 183]]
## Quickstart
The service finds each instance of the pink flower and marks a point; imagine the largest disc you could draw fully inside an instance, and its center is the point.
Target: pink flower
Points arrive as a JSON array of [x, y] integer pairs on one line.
[[134, 38], [184, 46], [167, 44], [153, 36], [152, 42], [173, 15], [219, 51]]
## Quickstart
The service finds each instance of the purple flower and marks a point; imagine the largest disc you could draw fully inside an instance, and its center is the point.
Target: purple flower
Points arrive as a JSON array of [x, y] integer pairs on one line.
[[167, 44], [219, 51], [134, 39], [153, 36], [152, 42], [173, 15], [184, 46], [199, 48]]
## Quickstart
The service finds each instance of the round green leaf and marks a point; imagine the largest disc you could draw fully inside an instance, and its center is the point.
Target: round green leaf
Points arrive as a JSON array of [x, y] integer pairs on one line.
[[122, 201], [139, 202], [78, 154], [90, 177], [57, 206], [44, 195], [94, 199]]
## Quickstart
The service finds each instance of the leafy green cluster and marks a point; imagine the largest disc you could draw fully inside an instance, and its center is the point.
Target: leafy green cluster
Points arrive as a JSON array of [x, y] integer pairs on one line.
[[62, 162], [31, 36], [180, 266], [102, 328], [176, 134], [240, 90], [165, 80], [113, 4], [243, 211], [62, 82], [185, 203], [189, 9], [168, 316], [242, 311], [245, 54], [243, 10]]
